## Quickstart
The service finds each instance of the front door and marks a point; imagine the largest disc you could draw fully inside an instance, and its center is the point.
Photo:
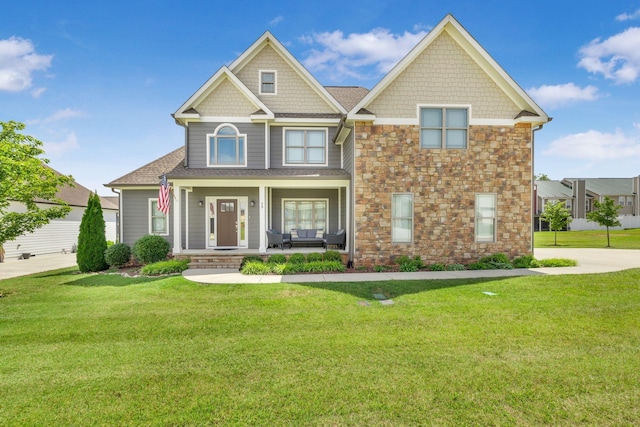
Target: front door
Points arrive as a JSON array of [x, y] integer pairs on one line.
[[227, 227]]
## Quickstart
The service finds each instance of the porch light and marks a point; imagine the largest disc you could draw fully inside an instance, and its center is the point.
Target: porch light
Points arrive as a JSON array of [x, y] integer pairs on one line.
[[253, 204], [200, 203]]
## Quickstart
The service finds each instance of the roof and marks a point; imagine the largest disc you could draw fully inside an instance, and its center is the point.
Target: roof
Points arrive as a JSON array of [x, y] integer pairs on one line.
[[607, 186], [181, 172], [553, 190], [348, 96], [150, 173]]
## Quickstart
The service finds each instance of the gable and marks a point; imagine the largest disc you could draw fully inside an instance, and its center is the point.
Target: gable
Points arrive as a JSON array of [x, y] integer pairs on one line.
[[294, 94], [225, 101], [444, 73]]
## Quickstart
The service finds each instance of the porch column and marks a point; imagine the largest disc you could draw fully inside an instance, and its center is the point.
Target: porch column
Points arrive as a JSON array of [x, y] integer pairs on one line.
[[177, 238], [262, 200]]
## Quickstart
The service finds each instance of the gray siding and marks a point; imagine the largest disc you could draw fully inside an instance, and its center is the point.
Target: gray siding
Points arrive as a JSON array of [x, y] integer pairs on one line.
[[197, 134], [347, 153], [135, 215], [331, 194], [276, 136]]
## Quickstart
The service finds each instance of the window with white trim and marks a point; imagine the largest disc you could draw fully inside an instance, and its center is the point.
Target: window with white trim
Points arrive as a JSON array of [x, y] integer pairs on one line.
[[629, 201], [305, 214], [226, 147], [486, 206], [158, 221], [402, 218], [305, 146], [267, 82], [445, 127], [621, 200]]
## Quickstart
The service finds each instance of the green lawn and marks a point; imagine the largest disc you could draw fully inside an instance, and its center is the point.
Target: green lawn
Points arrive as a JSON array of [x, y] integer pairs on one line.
[[102, 350], [620, 239]]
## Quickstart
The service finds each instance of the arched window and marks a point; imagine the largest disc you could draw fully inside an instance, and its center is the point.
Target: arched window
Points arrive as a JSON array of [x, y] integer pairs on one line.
[[226, 147]]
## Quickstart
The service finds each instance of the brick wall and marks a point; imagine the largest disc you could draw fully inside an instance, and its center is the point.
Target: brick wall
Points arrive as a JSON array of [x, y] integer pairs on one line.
[[444, 184]]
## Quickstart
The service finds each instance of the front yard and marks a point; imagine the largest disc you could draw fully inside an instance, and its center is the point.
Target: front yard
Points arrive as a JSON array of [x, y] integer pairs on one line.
[[106, 350]]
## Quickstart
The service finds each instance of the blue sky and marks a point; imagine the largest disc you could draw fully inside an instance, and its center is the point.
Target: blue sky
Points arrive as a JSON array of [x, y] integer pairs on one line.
[[97, 81]]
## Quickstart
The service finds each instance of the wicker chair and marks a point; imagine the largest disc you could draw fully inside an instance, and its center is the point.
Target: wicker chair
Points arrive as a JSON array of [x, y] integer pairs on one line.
[[276, 239], [339, 239]]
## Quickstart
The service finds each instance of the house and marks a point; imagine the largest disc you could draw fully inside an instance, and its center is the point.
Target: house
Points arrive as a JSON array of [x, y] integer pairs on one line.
[[61, 235], [435, 160]]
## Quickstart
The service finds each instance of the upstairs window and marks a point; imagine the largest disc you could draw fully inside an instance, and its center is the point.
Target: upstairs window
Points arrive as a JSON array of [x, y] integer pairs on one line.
[[267, 82], [444, 127], [226, 147], [305, 147]]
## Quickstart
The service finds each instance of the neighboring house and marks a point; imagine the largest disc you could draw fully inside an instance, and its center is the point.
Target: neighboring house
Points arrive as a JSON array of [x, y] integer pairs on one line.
[[435, 160], [61, 235]]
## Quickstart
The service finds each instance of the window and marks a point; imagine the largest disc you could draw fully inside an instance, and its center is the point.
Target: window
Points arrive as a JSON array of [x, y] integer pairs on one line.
[[402, 218], [486, 217], [305, 147], [305, 214], [158, 221], [443, 127], [226, 147], [621, 200], [267, 82], [629, 201]]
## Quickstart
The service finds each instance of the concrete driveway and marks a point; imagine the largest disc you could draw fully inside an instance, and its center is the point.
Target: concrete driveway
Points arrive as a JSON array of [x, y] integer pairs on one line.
[[36, 264]]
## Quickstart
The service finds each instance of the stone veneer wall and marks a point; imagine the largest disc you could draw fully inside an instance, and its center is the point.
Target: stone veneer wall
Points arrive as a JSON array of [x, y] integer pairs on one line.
[[444, 184]]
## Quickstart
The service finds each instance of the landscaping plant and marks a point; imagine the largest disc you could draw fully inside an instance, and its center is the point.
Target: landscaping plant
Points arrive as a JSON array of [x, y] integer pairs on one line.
[[557, 216], [117, 255], [92, 242], [150, 248], [605, 214]]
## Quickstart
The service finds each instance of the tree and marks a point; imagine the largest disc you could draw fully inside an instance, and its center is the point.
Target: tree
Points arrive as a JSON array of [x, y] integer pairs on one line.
[[541, 177], [605, 214], [91, 241], [25, 178], [558, 217]]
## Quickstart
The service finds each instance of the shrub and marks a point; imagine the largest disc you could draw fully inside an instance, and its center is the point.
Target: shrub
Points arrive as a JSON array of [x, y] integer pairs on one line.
[[314, 256], [313, 267], [277, 259], [117, 255], [402, 259], [408, 267], [91, 240], [171, 266], [436, 267], [250, 258], [294, 268], [557, 262], [333, 266], [149, 249], [381, 268], [332, 256], [417, 261], [297, 259], [455, 267], [255, 267], [496, 262], [478, 266], [525, 261], [277, 268]]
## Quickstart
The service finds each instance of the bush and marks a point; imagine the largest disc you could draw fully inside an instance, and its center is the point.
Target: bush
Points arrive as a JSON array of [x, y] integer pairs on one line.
[[402, 259], [149, 249], [117, 255], [381, 268], [314, 256], [455, 267], [478, 266], [525, 261], [250, 258], [165, 267], [333, 266], [91, 240], [408, 267], [417, 261], [332, 256], [294, 268], [277, 259], [436, 267], [496, 262], [297, 259], [557, 262], [255, 267]]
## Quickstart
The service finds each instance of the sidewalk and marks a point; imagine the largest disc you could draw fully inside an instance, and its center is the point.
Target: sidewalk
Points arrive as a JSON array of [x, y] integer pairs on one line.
[[36, 264]]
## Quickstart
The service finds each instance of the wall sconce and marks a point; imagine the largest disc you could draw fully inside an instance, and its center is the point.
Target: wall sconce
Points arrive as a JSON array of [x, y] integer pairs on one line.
[[200, 203], [252, 204]]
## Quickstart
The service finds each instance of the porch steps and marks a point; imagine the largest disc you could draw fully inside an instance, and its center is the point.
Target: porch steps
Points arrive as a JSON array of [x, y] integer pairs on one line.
[[214, 261]]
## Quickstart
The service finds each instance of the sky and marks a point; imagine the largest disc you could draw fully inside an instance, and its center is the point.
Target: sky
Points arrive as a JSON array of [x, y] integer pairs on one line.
[[97, 81]]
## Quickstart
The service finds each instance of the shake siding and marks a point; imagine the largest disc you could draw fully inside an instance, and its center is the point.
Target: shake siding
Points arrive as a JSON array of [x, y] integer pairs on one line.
[[276, 136], [280, 193], [226, 100], [198, 143], [443, 74], [135, 207], [293, 94]]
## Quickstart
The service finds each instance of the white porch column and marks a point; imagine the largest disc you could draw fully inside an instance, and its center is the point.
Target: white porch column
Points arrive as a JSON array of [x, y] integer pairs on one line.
[[262, 203], [177, 238]]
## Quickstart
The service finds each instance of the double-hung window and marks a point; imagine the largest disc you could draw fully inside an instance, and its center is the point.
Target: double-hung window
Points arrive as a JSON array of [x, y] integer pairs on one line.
[[305, 147], [445, 127], [158, 221], [226, 147], [267, 82], [402, 218], [486, 218]]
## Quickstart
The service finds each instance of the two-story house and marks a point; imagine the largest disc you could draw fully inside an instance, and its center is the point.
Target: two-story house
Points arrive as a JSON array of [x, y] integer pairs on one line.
[[436, 160]]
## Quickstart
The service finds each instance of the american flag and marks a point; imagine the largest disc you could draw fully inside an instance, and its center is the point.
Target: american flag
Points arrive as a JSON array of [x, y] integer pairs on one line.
[[164, 196]]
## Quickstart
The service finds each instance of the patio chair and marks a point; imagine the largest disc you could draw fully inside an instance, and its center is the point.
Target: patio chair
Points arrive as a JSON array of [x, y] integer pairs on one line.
[[276, 239], [338, 239]]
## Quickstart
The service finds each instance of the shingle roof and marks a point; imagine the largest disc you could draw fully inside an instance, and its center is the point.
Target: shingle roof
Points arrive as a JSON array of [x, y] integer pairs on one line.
[[149, 173], [607, 186], [553, 190], [288, 173], [347, 96]]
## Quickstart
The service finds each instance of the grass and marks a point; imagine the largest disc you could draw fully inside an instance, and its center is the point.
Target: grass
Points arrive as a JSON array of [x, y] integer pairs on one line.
[[105, 350], [620, 239]]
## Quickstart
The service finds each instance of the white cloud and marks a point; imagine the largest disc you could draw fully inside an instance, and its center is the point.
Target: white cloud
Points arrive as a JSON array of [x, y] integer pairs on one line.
[[275, 21], [594, 145], [37, 93], [616, 58], [56, 149], [67, 113], [356, 54], [628, 16], [18, 61], [556, 95]]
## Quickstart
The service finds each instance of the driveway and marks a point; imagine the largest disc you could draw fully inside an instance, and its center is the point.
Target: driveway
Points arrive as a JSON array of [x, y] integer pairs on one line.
[[591, 260], [36, 264]]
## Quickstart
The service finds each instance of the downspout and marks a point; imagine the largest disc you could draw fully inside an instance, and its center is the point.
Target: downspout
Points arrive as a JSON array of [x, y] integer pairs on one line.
[[533, 202], [118, 216]]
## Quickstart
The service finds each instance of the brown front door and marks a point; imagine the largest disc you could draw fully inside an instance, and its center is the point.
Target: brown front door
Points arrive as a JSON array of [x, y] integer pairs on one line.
[[227, 222]]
